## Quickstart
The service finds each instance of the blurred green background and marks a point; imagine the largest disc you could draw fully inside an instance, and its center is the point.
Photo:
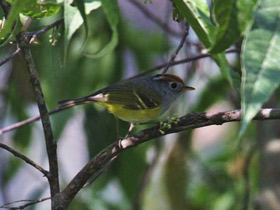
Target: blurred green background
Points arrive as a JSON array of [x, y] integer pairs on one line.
[[192, 170]]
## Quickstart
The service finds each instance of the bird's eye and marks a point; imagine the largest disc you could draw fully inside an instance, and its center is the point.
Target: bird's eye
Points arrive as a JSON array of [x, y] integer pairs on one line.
[[174, 85]]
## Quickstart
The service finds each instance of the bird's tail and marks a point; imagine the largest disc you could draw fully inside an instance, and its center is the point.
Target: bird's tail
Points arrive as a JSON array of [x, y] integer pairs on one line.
[[73, 102]]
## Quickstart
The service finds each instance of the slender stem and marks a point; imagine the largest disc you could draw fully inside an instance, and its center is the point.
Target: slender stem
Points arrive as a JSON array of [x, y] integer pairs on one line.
[[154, 18], [49, 139], [178, 49], [29, 203], [185, 60], [45, 29], [9, 57], [26, 122], [33, 34], [24, 158]]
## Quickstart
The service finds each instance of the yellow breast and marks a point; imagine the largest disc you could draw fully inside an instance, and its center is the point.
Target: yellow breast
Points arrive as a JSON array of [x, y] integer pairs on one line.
[[131, 115]]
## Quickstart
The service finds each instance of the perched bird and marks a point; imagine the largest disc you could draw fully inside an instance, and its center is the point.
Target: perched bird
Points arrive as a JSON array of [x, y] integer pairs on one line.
[[138, 100]]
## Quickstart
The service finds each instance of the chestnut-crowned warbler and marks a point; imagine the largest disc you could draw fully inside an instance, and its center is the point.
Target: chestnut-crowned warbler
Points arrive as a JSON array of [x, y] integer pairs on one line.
[[136, 100]]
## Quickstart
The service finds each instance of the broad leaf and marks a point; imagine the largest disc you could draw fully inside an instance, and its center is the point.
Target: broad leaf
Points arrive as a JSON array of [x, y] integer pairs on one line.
[[73, 19], [260, 60], [111, 10], [81, 7], [232, 19], [197, 15]]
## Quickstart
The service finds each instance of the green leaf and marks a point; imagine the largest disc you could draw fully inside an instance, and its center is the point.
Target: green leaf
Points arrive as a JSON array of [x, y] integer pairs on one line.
[[232, 19], [111, 10], [18, 7], [81, 7], [260, 60], [197, 14], [73, 19], [225, 69], [108, 48], [16, 29], [39, 10]]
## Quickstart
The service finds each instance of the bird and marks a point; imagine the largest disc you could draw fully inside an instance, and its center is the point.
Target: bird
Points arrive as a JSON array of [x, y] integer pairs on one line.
[[137, 100]]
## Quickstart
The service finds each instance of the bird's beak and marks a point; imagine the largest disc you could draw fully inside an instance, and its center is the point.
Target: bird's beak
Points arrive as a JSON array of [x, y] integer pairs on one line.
[[185, 88]]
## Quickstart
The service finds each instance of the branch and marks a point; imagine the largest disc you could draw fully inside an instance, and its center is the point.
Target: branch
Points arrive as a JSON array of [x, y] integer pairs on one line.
[[189, 121], [33, 34], [45, 29], [30, 202], [154, 18], [185, 60], [49, 139], [186, 33], [24, 158], [25, 122], [5, 60]]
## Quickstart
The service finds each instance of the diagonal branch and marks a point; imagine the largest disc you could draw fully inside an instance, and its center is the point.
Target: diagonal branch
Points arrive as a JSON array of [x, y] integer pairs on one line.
[[186, 33], [46, 28], [27, 203], [9, 57], [177, 62], [34, 34], [189, 121], [24, 158], [49, 139], [154, 18]]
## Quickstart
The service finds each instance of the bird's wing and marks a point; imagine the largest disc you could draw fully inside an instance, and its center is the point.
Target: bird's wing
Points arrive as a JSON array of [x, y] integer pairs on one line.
[[132, 96]]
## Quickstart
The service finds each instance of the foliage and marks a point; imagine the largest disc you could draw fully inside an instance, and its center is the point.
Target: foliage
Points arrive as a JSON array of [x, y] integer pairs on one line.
[[100, 43]]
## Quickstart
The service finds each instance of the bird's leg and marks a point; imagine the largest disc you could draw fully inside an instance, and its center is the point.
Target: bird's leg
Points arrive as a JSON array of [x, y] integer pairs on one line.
[[131, 127], [119, 138], [118, 128]]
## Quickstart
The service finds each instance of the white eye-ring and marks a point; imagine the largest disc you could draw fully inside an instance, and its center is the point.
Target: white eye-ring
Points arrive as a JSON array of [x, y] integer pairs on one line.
[[174, 85]]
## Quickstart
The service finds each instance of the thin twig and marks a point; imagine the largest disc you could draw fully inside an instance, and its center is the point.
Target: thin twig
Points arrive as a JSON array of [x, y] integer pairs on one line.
[[34, 34], [48, 133], [30, 202], [178, 49], [185, 60], [189, 121], [25, 122], [154, 18], [9, 57], [24, 158]]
